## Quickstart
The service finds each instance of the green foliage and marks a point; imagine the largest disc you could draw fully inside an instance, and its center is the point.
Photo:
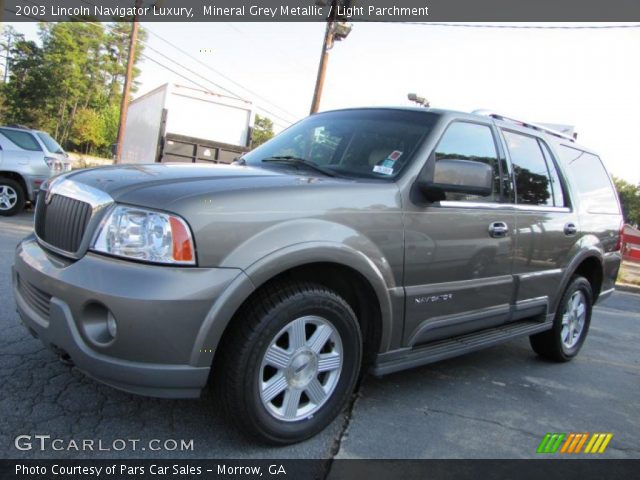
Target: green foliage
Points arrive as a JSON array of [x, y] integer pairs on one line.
[[87, 129], [262, 131], [71, 83], [630, 200]]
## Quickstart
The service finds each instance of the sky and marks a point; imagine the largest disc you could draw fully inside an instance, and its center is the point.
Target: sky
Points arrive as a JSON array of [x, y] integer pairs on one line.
[[585, 77]]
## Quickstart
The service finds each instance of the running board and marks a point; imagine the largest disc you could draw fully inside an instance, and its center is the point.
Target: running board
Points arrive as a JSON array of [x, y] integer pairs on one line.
[[433, 352]]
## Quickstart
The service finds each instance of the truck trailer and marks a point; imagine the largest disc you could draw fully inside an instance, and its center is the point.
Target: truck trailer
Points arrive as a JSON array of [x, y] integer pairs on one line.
[[174, 123]]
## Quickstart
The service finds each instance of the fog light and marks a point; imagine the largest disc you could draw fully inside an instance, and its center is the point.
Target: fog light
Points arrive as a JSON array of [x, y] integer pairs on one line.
[[99, 324], [112, 326]]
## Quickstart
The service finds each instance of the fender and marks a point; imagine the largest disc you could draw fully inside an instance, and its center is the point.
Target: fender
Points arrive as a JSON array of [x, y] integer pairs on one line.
[[338, 250], [590, 251]]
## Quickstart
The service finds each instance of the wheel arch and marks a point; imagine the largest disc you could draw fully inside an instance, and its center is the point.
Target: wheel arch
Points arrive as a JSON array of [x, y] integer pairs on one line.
[[590, 265], [346, 271]]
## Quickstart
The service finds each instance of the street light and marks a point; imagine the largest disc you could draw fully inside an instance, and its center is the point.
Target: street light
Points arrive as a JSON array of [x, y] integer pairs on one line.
[[422, 101]]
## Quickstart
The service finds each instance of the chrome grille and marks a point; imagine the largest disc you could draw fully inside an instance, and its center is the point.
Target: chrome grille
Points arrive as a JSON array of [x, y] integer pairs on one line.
[[37, 299], [62, 223]]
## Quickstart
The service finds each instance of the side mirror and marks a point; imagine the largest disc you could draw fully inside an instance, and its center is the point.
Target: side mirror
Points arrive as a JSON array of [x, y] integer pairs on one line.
[[458, 176]]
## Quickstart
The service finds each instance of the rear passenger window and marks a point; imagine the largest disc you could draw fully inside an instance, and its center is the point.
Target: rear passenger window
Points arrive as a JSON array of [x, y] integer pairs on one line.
[[590, 178], [533, 182], [22, 139], [470, 141]]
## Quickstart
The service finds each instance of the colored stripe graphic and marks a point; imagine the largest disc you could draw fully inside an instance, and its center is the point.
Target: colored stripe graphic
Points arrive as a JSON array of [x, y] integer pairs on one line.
[[573, 443], [598, 443], [551, 442]]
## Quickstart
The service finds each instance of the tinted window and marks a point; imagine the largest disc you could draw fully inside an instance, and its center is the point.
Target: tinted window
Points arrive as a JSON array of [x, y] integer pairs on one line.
[[556, 184], [49, 142], [591, 180], [361, 143], [470, 141], [533, 184], [21, 139]]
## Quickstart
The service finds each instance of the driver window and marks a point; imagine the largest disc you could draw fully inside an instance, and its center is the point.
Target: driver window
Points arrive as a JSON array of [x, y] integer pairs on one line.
[[474, 142]]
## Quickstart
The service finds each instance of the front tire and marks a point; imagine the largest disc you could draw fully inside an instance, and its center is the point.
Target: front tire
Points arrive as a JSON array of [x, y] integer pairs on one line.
[[290, 362], [12, 197], [570, 325]]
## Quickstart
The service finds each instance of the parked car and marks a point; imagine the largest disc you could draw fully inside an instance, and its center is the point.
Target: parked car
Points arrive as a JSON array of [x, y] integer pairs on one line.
[[356, 240], [27, 158]]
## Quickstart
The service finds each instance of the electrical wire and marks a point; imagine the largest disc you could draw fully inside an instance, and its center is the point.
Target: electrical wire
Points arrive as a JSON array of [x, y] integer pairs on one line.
[[195, 59], [206, 89], [286, 121], [515, 27]]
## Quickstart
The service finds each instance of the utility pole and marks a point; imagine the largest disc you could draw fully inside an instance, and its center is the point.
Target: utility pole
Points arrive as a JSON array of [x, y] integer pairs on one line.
[[336, 30], [7, 58], [126, 89]]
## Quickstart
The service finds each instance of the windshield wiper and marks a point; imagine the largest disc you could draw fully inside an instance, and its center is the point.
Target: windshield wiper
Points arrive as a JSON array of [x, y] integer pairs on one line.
[[288, 159]]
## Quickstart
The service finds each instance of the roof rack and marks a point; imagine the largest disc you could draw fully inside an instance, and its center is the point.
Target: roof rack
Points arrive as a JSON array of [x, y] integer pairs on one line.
[[524, 123]]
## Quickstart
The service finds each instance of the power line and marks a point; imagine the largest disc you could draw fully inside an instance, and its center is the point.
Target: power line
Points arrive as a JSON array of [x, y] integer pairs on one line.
[[287, 122], [221, 74], [515, 27], [191, 71], [257, 106], [189, 79]]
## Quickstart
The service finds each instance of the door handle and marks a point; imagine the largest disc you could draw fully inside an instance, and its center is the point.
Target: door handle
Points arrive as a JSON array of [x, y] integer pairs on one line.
[[498, 229], [570, 229]]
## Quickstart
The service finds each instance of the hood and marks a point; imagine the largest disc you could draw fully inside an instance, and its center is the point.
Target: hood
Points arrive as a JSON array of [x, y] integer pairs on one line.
[[167, 183]]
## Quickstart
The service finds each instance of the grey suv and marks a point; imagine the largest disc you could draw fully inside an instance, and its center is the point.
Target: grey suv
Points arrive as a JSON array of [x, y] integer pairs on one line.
[[27, 158], [357, 240]]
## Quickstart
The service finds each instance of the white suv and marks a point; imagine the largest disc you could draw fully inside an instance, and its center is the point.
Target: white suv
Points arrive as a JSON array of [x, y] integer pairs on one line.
[[27, 158]]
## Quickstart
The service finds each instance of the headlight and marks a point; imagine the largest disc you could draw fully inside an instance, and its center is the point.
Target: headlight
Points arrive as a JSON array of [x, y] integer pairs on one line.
[[146, 235]]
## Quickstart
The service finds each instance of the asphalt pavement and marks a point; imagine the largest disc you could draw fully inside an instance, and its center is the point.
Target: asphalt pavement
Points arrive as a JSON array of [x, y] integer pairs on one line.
[[497, 403]]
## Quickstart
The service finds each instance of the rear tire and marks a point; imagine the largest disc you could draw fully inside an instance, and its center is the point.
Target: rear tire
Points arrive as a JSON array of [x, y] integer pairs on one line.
[[570, 325], [290, 363], [12, 197]]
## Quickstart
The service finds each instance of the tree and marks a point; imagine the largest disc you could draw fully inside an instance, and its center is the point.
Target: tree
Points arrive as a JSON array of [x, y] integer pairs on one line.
[[630, 200], [262, 131], [87, 129], [71, 83]]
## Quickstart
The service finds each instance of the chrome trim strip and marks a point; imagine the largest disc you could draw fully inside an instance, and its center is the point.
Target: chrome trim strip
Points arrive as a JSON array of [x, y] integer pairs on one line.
[[542, 273], [79, 191], [531, 303], [503, 206], [455, 286]]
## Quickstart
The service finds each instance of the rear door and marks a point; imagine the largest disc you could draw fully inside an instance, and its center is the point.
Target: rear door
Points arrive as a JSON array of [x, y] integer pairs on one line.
[[547, 226], [458, 251]]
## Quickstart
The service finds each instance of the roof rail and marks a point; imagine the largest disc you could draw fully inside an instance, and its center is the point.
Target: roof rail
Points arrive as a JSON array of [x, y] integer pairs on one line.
[[524, 123]]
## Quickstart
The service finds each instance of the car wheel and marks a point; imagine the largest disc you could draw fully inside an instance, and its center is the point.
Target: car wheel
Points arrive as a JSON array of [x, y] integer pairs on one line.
[[291, 362], [12, 197], [570, 325]]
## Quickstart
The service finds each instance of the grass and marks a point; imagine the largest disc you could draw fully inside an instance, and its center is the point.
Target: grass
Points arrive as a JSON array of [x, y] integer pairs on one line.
[[629, 273]]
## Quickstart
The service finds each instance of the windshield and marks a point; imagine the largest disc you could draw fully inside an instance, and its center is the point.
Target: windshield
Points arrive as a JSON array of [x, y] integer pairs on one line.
[[360, 143], [49, 142]]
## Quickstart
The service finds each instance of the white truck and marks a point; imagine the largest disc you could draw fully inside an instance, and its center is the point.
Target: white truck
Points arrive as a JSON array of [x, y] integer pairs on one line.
[[174, 123]]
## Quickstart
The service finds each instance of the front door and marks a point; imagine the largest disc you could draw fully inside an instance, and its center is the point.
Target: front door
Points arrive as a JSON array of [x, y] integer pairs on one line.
[[458, 252]]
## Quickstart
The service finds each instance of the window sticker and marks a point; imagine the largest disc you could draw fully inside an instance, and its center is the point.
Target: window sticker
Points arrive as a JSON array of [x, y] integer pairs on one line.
[[382, 169], [395, 155], [387, 165]]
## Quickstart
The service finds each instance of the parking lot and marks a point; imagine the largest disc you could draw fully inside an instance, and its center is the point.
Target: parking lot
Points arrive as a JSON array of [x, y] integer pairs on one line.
[[498, 403]]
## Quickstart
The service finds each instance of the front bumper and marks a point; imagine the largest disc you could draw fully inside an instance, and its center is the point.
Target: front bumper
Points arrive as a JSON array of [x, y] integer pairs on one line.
[[33, 183], [158, 310]]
